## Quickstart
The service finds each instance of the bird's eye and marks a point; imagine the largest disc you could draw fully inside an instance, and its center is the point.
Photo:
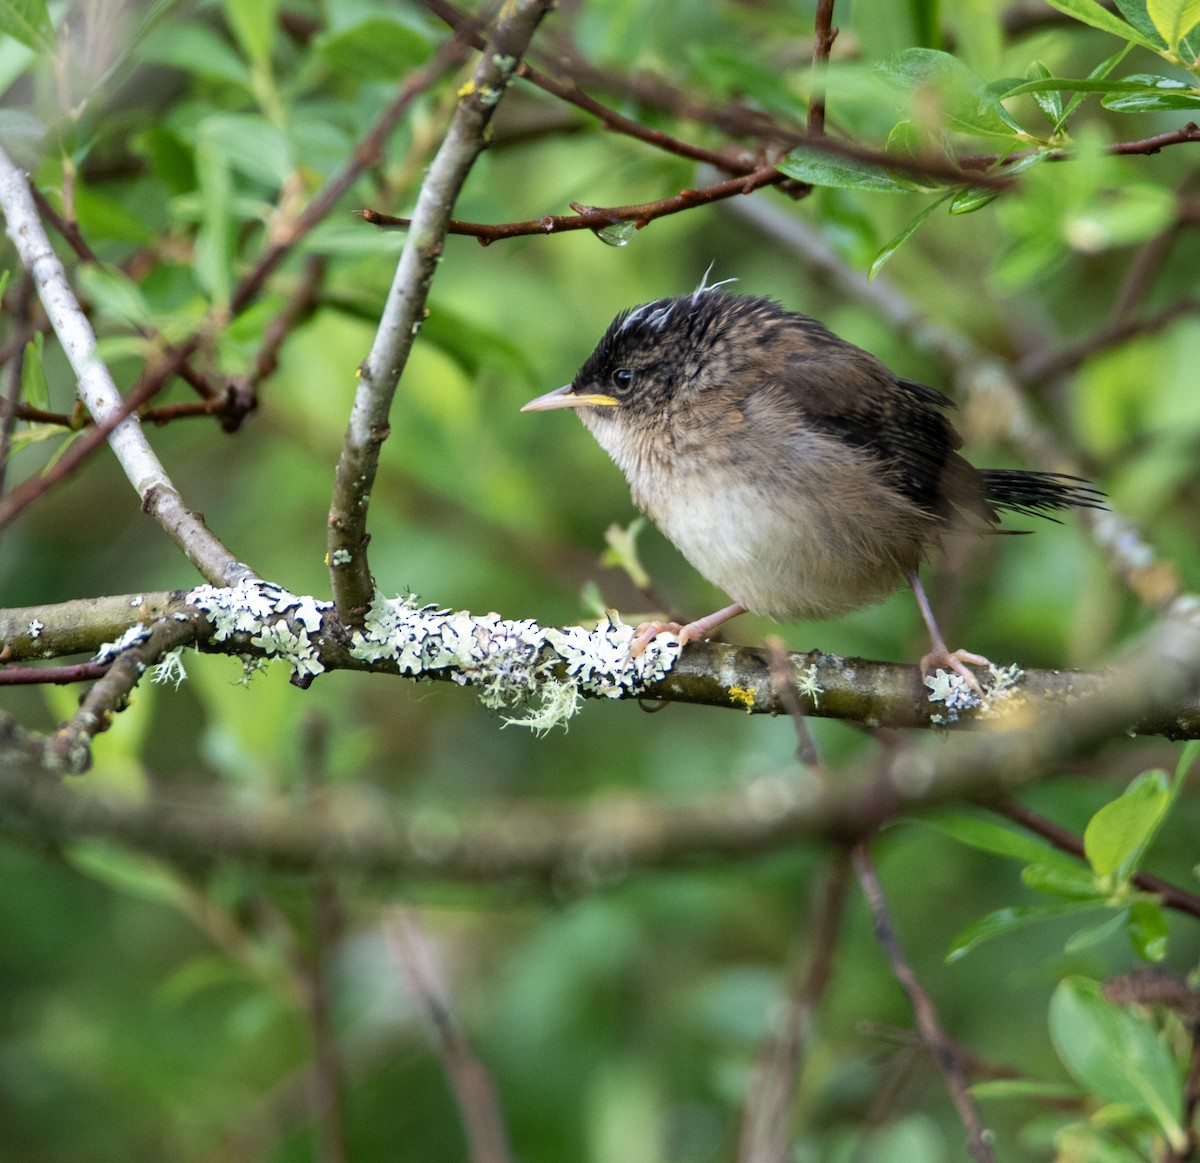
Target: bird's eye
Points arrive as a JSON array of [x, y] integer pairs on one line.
[[622, 379]]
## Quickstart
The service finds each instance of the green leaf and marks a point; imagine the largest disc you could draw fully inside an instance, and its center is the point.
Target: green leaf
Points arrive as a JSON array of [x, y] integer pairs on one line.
[[881, 259], [1116, 1055], [253, 23], [1148, 930], [1025, 1088], [1000, 841], [114, 293], [967, 104], [1090, 12], [1117, 835], [27, 21], [1009, 920], [1135, 83], [972, 198], [377, 49], [820, 168], [250, 144], [137, 876], [1091, 935], [1103, 69], [1072, 883], [196, 50], [1151, 101], [34, 385], [1049, 103], [1173, 19]]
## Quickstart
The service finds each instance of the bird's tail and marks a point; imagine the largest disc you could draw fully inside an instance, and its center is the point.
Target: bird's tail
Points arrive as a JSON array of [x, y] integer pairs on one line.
[[1038, 494]]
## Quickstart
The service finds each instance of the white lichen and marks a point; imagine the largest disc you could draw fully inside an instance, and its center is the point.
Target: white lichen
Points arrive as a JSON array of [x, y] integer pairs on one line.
[[808, 686], [1001, 685], [169, 669], [136, 633], [36, 626]]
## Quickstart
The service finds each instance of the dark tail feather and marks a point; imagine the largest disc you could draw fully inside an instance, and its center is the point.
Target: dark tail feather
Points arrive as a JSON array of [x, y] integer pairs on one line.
[[1038, 494]]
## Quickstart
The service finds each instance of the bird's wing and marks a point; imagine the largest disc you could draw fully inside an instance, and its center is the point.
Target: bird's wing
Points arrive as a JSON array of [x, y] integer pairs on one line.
[[846, 393]]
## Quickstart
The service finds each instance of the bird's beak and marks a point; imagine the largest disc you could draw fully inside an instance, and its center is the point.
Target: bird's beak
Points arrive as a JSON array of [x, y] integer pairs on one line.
[[567, 397]]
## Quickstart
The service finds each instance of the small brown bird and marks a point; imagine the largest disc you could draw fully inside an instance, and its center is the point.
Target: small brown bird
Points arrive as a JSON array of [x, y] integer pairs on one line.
[[791, 468]]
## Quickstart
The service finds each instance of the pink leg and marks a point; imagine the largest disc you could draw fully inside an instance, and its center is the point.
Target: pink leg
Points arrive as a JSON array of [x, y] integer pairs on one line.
[[647, 631], [939, 657]]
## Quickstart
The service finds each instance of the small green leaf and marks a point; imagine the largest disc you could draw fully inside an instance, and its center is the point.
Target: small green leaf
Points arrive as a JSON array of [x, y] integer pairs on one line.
[[253, 23], [1148, 930], [114, 293], [1049, 103], [1072, 883], [1116, 1055], [1025, 1088], [1116, 837], [622, 551], [378, 48], [27, 21], [1103, 69], [1173, 19], [1091, 935], [881, 259], [1090, 12], [34, 385], [972, 198], [1151, 101], [820, 168], [998, 840], [1009, 920], [138, 876], [967, 103]]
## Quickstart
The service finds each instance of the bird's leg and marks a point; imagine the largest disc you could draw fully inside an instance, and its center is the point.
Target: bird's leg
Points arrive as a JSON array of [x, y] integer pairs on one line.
[[648, 631], [939, 657]]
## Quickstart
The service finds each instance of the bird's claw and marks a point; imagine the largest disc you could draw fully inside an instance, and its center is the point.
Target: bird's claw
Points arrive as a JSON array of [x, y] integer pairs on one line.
[[955, 661], [646, 632]]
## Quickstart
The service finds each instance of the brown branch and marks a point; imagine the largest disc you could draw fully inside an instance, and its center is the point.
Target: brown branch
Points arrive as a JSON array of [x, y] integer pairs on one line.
[[487, 1141], [1063, 839], [45, 675], [597, 218], [764, 1137], [824, 36], [1146, 145], [932, 1034]]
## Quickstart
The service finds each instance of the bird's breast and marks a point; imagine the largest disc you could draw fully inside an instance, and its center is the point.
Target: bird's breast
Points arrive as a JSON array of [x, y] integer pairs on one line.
[[812, 530]]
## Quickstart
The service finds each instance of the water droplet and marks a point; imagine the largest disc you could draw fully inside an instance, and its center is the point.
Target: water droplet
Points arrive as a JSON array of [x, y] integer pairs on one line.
[[618, 234]]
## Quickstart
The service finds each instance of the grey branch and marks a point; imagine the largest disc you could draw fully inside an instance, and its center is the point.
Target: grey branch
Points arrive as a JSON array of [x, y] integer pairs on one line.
[[159, 496]]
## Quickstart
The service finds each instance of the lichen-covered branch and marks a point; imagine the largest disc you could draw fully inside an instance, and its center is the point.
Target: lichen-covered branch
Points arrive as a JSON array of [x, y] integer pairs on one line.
[[404, 311], [159, 496], [591, 845], [537, 676]]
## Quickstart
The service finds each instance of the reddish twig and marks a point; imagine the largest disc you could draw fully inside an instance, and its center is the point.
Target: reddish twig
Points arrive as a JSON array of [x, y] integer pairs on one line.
[[59, 675], [943, 1051], [597, 218], [783, 678], [823, 37], [1146, 145]]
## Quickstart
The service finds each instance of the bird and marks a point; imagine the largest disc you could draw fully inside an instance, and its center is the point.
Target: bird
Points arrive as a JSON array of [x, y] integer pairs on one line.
[[791, 468]]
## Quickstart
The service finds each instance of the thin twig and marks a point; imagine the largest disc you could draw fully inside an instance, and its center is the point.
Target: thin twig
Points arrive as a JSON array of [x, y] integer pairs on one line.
[[823, 37], [764, 1133], [47, 675], [930, 1027], [350, 575], [487, 1141], [596, 217], [783, 678]]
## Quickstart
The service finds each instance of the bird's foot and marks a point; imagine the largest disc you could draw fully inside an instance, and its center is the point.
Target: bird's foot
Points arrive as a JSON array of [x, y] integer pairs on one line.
[[939, 658], [648, 631]]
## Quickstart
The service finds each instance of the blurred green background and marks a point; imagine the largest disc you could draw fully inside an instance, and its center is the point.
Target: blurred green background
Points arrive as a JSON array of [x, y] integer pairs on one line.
[[144, 1014]]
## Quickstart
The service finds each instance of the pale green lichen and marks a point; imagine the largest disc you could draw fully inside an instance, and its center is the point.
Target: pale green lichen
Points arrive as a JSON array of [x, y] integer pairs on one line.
[[808, 685]]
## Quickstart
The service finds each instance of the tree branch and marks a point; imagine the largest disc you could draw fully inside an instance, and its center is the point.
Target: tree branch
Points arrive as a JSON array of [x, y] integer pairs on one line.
[[350, 575]]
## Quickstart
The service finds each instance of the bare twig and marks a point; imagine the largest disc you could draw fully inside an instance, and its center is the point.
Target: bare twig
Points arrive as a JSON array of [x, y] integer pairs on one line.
[[930, 1027], [764, 1133], [823, 38], [350, 575], [487, 1141], [96, 387], [597, 218], [783, 678], [47, 675]]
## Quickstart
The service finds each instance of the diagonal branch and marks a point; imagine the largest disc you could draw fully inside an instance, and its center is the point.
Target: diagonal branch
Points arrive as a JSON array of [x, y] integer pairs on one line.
[[125, 436], [350, 575]]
